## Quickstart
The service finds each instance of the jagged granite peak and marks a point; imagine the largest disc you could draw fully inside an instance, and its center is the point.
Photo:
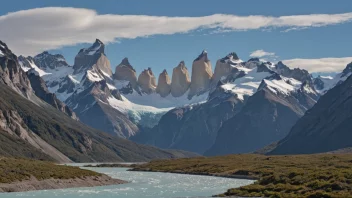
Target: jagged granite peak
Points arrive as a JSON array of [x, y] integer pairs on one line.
[[180, 80], [92, 57], [164, 84], [147, 81], [224, 67], [126, 63], [263, 67], [231, 56], [296, 73], [203, 56], [125, 71], [46, 60], [11, 73], [254, 59], [252, 63], [40, 89], [201, 75]]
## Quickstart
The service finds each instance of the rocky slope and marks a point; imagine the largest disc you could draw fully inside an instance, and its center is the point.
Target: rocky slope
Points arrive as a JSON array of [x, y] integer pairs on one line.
[[325, 127], [40, 89], [11, 73], [92, 107]]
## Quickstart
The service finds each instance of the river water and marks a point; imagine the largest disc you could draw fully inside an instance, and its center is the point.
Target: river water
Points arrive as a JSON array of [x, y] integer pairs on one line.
[[144, 184]]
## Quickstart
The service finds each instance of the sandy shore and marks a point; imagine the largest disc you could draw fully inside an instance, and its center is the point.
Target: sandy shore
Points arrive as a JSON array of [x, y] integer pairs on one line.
[[34, 184]]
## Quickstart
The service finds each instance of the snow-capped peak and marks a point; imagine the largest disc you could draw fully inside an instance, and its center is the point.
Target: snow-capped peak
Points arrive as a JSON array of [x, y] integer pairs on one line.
[[279, 84], [28, 64]]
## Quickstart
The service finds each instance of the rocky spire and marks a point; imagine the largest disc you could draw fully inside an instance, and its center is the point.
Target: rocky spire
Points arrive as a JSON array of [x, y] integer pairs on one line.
[[164, 84], [125, 71], [180, 80], [94, 56], [147, 81], [201, 74], [223, 67]]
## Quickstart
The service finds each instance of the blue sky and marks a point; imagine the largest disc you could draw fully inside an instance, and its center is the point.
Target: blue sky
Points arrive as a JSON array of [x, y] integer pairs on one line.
[[166, 51]]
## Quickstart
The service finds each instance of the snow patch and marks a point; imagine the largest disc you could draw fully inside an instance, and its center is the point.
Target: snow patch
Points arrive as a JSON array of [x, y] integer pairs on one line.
[[155, 100], [246, 85], [94, 50], [140, 114], [284, 86], [111, 87], [94, 77]]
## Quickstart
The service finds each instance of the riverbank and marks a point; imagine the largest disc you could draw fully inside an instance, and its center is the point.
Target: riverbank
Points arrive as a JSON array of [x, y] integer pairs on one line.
[[19, 175], [248, 177], [321, 175], [47, 184]]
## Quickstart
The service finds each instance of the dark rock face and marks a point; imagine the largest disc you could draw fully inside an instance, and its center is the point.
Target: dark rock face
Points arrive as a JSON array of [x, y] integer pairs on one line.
[[67, 85], [230, 56], [347, 71], [267, 117], [264, 68], [11, 73], [41, 90], [296, 73], [46, 60], [193, 128], [91, 106], [319, 84], [325, 127]]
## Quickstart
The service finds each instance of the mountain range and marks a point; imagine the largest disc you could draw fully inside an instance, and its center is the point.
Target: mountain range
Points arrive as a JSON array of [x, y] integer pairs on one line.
[[239, 107], [35, 124]]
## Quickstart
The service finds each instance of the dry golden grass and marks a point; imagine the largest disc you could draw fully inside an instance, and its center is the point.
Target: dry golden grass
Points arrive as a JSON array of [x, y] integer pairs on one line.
[[321, 175]]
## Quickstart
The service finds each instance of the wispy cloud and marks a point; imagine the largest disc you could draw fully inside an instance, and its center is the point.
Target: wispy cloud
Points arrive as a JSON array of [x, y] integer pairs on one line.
[[30, 31], [261, 53], [319, 65]]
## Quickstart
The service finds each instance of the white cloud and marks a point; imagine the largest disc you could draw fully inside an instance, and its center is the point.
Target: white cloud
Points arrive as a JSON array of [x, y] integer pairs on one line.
[[319, 65], [29, 32], [261, 53]]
